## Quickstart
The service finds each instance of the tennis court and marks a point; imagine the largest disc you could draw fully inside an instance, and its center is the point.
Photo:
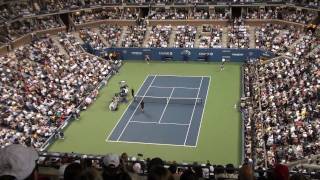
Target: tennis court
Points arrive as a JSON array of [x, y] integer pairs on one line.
[[173, 112]]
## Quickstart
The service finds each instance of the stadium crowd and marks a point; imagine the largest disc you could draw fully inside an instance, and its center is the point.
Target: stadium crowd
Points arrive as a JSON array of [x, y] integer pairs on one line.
[[275, 37], [92, 38], [287, 119], [185, 36], [111, 33], [113, 166], [70, 44], [84, 17], [210, 37], [41, 88], [159, 36], [288, 14], [238, 35], [135, 36]]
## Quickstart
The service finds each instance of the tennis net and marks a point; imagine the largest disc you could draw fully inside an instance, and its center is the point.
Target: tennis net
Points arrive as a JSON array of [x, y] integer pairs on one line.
[[155, 99]]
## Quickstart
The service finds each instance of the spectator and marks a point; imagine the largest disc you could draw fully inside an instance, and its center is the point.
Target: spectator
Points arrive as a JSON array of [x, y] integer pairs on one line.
[[72, 171], [112, 168], [246, 173], [90, 174], [18, 162], [298, 176], [135, 36], [185, 37], [188, 175], [281, 172], [159, 173], [154, 163], [159, 36]]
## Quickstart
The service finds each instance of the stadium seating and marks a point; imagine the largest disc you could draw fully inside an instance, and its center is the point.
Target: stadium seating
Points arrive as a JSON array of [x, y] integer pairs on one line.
[[47, 77]]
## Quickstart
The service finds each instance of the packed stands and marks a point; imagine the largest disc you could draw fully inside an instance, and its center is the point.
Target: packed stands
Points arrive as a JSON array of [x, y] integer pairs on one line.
[[31, 117], [42, 88], [134, 36], [185, 36], [275, 37], [159, 36], [92, 38], [238, 35], [111, 34], [210, 37]]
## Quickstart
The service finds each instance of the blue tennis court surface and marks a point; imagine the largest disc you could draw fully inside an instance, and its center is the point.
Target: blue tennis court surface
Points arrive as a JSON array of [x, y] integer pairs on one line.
[[172, 115]]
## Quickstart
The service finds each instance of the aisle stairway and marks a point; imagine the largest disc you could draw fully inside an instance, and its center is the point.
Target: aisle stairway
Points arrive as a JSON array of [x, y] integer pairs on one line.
[[224, 38], [197, 39], [252, 37], [77, 36], [147, 36], [314, 51], [172, 36], [56, 39], [292, 46], [123, 33], [101, 37]]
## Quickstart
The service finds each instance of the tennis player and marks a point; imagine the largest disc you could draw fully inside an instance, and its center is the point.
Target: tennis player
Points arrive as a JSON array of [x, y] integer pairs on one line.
[[142, 105], [147, 59], [222, 64], [132, 93]]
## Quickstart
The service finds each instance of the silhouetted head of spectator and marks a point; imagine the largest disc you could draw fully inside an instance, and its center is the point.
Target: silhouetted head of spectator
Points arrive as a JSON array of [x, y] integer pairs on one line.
[[72, 171], [18, 162], [218, 170], [112, 168], [298, 176], [154, 163], [159, 173], [173, 168], [188, 175], [230, 169], [281, 172], [124, 158], [90, 174], [198, 171], [246, 173], [260, 172]]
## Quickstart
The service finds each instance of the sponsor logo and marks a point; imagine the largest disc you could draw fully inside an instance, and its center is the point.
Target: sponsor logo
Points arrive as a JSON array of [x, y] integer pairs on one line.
[[205, 53], [186, 52], [237, 54], [165, 53], [136, 53]]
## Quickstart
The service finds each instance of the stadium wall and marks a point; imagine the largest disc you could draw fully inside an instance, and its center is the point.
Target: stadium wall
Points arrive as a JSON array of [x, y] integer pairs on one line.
[[184, 54]]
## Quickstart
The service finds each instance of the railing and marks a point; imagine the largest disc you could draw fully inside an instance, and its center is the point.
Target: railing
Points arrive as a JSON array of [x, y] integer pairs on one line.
[[242, 118]]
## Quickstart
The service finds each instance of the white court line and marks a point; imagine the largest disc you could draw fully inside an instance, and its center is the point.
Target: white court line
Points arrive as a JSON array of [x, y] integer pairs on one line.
[[126, 108], [165, 97], [164, 110], [136, 108], [203, 111], [177, 87], [194, 107], [144, 122], [144, 143], [171, 75]]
